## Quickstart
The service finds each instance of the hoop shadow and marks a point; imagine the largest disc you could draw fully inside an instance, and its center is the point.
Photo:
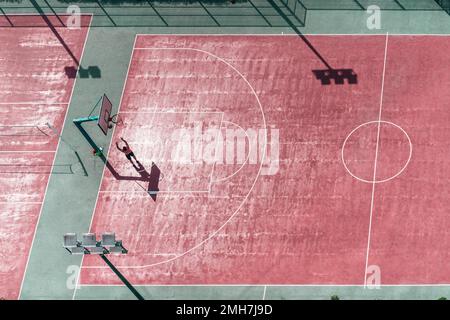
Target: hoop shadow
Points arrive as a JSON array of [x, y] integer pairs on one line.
[[152, 178]]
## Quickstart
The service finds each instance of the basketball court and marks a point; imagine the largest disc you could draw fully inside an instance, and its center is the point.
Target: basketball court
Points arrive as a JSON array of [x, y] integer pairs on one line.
[[263, 158], [35, 93], [323, 213]]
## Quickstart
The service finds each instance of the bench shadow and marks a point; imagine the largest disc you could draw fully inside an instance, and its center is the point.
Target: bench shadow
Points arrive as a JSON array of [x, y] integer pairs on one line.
[[93, 72], [328, 73], [337, 75]]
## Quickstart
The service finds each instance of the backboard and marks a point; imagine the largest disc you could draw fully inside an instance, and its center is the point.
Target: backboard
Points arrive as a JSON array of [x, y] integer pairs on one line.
[[105, 115]]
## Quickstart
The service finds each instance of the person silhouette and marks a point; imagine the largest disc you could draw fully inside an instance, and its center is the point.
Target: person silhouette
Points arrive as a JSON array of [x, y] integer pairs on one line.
[[126, 150]]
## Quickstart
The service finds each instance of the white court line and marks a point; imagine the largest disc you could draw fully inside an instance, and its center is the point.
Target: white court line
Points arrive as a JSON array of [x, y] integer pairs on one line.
[[379, 123], [104, 168], [169, 112], [264, 293], [160, 191], [357, 285], [46, 14], [54, 159], [57, 148], [268, 285], [22, 194], [27, 151], [246, 159], [375, 161], [215, 154], [213, 234], [218, 35], [213, 168], [177, 194], [24, 125], [293, 34], [46, 103], [179, 112], [22, 202]]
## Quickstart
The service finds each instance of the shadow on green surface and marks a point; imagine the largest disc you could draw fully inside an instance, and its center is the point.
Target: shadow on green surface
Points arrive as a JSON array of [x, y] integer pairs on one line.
[[140, 2], [55, 32], [93, 72], [444, 4], [122, 278], [165, 13]]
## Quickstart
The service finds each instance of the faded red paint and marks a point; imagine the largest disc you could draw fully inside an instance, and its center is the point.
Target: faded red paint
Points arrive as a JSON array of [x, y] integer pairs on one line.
[[34, 90], [308, 223]]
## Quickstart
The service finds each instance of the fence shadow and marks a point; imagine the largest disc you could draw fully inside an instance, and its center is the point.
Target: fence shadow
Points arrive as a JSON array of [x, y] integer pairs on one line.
[[326, 75], [207, 13]]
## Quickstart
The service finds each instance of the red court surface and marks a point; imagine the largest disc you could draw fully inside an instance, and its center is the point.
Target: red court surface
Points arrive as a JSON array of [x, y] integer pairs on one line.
[[34, 90], [358, 182]]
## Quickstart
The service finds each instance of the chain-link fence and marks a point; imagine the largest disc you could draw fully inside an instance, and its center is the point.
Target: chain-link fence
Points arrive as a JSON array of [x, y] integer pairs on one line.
[[164, 13], [409, 5], [200, 13]]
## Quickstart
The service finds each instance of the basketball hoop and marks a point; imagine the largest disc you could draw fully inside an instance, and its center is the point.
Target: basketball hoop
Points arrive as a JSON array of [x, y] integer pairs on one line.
[[115, 119]]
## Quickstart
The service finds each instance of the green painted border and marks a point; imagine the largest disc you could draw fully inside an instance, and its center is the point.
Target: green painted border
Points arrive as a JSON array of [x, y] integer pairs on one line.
[[110, 48]]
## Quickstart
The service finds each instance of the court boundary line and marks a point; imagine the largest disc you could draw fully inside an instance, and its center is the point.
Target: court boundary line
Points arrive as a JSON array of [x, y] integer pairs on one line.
[[54, 159], [27, 151], [170, 112], [38, 103], [268, 285], [294, 34], [173, 194], [214, 233], [374, 183], [23, 202], [306, 285], [160, 191], [280, 285]]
